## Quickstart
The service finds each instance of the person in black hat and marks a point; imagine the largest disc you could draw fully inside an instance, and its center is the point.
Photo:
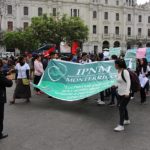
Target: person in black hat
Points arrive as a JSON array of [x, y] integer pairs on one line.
[[4, 82]]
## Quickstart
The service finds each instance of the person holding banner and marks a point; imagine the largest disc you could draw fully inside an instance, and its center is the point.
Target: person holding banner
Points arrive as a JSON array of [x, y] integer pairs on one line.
[[143, 72], [38, 71], [85, 59], [123, 93], [113, 88]]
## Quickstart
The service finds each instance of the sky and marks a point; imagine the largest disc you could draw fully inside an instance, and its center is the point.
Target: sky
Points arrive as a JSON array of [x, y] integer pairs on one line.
[[142, 1]]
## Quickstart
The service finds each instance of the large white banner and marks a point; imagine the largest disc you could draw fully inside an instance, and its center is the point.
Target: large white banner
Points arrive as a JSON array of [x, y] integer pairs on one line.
[[6, 54]]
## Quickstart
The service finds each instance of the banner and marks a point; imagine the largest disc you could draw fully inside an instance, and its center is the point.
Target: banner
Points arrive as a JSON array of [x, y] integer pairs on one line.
[[64, 48], [71, 81], [148, 54], [141, 53], [75, 45], [115, 51], [131, 53], [6, 54], [130, 59], [131, 63]]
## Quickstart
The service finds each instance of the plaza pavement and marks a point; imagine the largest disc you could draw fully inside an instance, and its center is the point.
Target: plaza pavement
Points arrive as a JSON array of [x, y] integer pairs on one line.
[[49, 124]]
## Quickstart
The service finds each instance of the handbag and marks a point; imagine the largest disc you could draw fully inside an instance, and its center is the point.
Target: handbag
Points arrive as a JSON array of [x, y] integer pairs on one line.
[[25, 81]]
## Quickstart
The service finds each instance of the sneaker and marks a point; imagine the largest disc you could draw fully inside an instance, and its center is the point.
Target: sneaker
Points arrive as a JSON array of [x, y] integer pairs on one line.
[[100, 102], [132, 98], [2, 136], [119, 128], [126, 122], [111, 104]]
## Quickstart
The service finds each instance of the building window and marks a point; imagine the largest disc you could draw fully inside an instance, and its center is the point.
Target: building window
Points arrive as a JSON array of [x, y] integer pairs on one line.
[[129, 31], [117, 16], [40, 11], [117, 2], [129, 17], [9, 9], [106, 1], [117, 30], [95, 49], [106, 15], [10, 26], [140, 18], [94, 29], [25, 25], [148, 19], [139, 31], [94, 14], [54, 12], [148, 33], [26, 11], [75, 12], [105, 29]]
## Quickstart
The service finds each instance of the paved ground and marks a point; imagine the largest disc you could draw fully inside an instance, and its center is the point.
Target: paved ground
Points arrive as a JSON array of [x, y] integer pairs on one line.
[[48, 124]]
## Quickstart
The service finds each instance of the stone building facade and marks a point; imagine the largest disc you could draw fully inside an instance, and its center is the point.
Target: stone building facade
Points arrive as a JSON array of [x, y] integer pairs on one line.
[[112, 23]]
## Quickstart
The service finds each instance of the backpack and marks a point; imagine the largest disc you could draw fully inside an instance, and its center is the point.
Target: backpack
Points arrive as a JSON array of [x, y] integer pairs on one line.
[[135, 82]]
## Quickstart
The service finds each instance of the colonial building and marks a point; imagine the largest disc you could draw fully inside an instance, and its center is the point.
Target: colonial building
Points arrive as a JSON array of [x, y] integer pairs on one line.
[[112, 23]]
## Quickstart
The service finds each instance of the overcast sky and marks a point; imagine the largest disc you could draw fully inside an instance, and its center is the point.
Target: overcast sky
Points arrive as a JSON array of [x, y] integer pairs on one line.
[[142, 1]]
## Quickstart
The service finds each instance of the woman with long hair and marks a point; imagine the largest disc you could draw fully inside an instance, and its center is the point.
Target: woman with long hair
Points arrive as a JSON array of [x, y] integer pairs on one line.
[[22, 89], [123, 83], [143, 72]]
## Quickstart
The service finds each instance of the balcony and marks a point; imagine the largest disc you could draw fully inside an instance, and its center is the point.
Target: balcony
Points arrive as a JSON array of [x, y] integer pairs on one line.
[[118, 36], [148, 37], [140, 37], [106, 36], [130, 37], [94, 38]]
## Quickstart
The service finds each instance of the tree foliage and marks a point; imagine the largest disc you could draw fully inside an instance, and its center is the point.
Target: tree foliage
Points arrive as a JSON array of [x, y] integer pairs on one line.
[[45, 30], [54, 29], [23, 40]]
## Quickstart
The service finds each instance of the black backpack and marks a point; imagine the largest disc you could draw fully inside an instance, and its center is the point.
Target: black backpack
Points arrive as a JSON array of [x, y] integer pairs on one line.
[[135, 82]]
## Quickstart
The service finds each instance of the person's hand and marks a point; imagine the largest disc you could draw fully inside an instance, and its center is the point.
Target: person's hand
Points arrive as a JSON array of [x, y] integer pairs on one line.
[[9, 77]]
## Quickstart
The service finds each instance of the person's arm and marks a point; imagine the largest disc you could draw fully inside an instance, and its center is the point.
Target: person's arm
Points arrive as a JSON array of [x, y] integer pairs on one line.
[[128, 80], [27, 73], [5, 82]]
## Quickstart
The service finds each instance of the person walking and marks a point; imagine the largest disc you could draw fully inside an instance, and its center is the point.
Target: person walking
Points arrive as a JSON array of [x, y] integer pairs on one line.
[[38, 71], [22, 89], [5, 81], [123, 93], [143, 73]]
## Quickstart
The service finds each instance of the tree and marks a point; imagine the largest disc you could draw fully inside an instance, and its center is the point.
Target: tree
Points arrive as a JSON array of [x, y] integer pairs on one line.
[[47, 30], [23, 40], [54, 29]]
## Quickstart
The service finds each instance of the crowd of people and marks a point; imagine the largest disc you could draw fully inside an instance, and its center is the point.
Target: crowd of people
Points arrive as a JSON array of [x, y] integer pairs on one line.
[[28, 67]]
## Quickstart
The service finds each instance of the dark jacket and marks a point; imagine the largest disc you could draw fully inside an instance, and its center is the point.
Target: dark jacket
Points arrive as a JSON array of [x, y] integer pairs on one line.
[[4, 82]]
